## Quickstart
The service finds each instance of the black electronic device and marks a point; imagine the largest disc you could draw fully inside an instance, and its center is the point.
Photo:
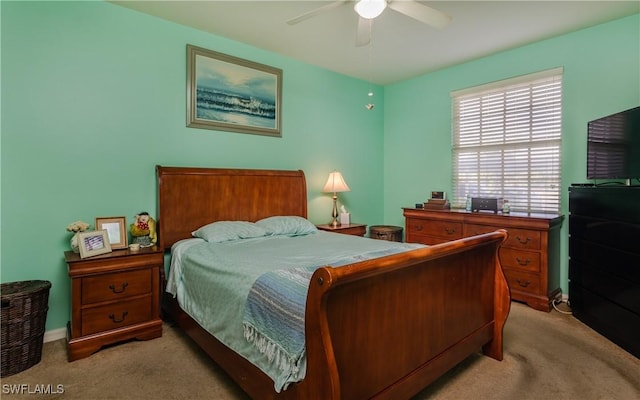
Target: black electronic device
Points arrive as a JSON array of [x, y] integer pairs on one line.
[[582, 184], [486, 204], [613, 146]]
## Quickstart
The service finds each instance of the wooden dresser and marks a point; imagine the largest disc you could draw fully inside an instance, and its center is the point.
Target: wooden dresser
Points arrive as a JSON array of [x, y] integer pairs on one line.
[[530, 257], [114, 297]]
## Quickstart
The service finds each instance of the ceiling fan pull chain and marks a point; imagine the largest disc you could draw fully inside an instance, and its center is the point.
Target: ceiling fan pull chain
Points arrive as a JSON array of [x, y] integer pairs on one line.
[[370, 105]]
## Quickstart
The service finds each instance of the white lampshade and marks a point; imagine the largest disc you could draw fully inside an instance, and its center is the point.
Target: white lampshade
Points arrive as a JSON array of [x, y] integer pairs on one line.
[[336, 183], [369, 9]]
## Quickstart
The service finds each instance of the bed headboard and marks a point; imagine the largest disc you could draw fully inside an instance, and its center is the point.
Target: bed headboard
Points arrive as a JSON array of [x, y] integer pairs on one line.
[[189, 198]]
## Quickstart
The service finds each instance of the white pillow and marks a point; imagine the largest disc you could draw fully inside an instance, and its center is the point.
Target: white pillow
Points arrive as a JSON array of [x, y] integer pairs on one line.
[[224, 231], [288, 225]]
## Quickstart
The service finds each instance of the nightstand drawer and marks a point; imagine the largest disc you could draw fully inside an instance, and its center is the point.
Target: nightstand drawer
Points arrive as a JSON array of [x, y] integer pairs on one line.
[[116, 315], [114, 286], [442, 229], [520, 259]]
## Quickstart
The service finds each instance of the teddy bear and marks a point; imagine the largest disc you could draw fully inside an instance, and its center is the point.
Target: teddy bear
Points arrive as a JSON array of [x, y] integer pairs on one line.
[[143, 230]]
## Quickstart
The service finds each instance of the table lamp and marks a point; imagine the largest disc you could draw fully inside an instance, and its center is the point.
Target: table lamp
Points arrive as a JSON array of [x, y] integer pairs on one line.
[[335, 184]]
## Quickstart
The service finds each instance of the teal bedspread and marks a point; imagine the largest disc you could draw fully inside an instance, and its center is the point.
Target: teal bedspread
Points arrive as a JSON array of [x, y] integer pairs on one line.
[[214, 281]]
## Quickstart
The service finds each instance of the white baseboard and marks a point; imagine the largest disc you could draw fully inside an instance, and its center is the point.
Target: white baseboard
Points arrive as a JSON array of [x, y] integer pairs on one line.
[[55, 334]]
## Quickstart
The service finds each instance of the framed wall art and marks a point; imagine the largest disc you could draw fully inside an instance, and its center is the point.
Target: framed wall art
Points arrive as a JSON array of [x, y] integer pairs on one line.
[[93, 243], [227, 93], [116, 228]]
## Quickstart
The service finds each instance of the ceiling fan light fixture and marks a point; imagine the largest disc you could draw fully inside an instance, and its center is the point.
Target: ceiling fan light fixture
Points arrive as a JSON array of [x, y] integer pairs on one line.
[[369, 9]]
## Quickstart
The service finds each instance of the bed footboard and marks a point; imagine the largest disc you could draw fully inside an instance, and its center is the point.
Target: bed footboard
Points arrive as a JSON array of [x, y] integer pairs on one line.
[[388, 327]]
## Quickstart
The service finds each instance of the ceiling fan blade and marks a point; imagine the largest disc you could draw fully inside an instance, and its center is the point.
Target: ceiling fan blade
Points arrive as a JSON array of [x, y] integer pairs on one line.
[[422, 13], [363, 34], [316, 11]]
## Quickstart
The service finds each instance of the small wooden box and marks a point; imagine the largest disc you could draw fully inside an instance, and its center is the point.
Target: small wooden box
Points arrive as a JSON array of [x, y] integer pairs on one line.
[[437, 204]]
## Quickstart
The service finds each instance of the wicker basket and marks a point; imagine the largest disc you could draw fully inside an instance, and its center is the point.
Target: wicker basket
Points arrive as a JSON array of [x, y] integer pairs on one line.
[[24, 314], [386, 232]]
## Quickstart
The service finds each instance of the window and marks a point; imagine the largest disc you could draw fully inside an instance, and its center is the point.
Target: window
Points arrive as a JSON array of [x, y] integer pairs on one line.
[[506, 142]]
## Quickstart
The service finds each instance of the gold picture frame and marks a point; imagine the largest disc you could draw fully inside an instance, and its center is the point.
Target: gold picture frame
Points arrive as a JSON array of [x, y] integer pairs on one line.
[[232, 94], [93, 243], [116, 228]]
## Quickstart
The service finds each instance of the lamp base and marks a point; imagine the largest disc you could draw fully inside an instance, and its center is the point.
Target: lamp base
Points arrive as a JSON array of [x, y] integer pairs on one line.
[[335, 222]]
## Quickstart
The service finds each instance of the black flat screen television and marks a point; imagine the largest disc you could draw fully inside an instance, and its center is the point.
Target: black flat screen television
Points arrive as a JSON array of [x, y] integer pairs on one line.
[[613, 146]]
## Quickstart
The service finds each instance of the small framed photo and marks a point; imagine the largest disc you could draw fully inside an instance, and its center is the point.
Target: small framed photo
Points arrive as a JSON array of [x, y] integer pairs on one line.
[[93, 243], [116, 228]]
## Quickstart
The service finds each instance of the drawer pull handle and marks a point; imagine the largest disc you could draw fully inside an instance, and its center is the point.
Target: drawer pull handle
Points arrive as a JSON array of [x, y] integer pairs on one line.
[[523, 241], [117, 321], [418, 227], [114, 290], [450, 231], [523, 284], [523, 262]]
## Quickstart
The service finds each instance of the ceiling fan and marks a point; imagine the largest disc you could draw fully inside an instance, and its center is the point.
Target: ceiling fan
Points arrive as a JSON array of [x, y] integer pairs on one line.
[[367, 10]]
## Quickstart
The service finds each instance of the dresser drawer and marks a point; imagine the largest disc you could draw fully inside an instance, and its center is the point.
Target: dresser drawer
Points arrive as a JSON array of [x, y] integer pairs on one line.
[[442, 229], [428, 240], [116, 315], [523, 239], [518, 238], [118, 285], [523, 282], [520, 260]]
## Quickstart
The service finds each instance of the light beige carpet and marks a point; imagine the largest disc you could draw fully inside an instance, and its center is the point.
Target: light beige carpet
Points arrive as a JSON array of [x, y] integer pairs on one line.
[[547, 356]]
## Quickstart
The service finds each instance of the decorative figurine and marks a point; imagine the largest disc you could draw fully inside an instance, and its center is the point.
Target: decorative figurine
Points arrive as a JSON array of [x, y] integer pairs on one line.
[[143, 230]]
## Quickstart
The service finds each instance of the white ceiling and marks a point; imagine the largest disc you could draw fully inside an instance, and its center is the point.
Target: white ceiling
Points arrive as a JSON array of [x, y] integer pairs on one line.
[[401, 47]]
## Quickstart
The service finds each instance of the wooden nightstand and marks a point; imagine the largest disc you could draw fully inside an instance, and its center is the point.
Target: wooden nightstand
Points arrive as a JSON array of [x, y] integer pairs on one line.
[[114, 297], [349, 229]]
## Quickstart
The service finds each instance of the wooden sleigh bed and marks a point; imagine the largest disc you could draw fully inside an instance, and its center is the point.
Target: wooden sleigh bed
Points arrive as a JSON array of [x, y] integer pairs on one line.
[[383, 328]]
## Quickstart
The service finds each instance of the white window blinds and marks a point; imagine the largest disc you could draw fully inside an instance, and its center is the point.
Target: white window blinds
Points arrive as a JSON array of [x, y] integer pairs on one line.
[[506, 142]]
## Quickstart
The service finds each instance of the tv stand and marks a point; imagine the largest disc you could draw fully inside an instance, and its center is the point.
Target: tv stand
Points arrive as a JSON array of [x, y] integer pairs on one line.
[[604, 261]]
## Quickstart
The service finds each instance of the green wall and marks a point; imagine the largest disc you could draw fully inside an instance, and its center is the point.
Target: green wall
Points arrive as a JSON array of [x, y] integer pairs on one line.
[[601, 77], [94, 96]]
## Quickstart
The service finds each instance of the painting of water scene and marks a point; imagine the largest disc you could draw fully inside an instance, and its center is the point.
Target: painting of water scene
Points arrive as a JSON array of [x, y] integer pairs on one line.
[[232, 94]]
